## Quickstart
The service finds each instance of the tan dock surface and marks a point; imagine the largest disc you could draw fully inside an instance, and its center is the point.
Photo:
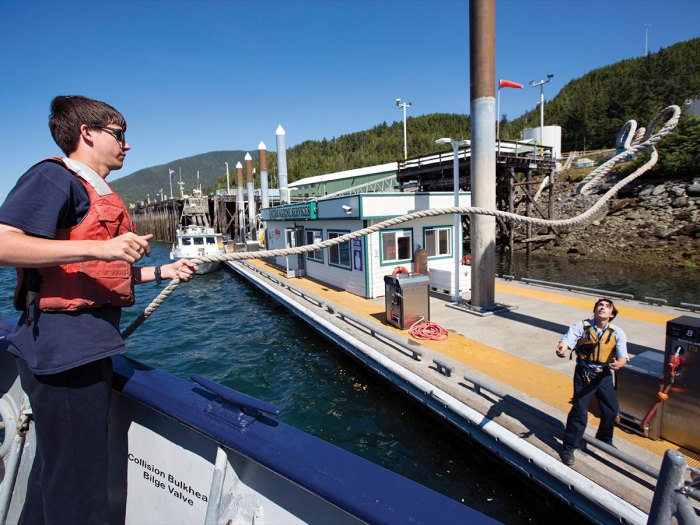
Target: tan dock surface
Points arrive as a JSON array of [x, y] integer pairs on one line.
[[515, 351]]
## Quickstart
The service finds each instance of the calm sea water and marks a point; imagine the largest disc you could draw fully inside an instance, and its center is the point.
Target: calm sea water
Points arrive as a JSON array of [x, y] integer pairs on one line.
[[676, 285], [220, 327]]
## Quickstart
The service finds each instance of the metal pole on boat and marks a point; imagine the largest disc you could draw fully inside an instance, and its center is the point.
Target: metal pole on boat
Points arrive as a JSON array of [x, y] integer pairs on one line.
[[282, 165], [241, 205], [482, 73], [251, 194], [262, 157], [10, 474]]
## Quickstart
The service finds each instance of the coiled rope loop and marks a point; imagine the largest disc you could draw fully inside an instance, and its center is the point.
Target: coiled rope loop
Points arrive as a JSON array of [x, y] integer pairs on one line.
[[650, 139], [429, 330]]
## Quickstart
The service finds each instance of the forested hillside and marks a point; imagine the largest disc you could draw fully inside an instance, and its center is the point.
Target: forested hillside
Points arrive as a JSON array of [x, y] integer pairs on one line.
[[590, 111]]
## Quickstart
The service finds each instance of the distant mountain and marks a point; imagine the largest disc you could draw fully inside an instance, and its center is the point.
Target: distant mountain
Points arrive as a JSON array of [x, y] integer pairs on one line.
[[590, 110], [135, 187]]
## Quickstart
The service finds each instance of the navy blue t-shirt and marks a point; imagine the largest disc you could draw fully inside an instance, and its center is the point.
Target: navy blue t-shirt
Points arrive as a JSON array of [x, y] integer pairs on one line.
[[45, 198]]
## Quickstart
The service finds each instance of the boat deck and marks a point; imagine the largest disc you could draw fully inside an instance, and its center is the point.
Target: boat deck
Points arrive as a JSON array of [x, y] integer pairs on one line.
[[513, 353]]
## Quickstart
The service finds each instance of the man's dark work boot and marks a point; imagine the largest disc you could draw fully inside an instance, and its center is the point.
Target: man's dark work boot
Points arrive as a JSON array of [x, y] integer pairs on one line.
[[567, 457]]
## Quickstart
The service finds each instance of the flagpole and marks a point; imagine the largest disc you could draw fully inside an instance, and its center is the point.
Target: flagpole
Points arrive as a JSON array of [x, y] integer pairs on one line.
[[498, 118]]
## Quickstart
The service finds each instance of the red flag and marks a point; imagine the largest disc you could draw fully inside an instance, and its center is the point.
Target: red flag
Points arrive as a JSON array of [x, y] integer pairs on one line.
[[509, 83]]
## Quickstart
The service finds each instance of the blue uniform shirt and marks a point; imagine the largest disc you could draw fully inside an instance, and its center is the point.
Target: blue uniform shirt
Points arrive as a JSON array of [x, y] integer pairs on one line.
[[46, 198], [575, 332]]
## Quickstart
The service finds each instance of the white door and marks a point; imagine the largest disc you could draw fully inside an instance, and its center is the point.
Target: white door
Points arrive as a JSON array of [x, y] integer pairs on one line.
[[295, 263]]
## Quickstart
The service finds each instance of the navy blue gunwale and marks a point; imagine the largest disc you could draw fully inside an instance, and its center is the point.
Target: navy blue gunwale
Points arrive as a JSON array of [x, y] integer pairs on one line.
[[360, 487]]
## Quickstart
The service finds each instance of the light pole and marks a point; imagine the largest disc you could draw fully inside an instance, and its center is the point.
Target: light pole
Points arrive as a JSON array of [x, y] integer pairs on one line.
[[541, 84], [228, 187], [170, 178], [404, 105], [457, 244]]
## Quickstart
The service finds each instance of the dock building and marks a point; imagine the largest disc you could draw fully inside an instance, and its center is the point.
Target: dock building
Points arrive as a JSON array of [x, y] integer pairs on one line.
[[359, 266]]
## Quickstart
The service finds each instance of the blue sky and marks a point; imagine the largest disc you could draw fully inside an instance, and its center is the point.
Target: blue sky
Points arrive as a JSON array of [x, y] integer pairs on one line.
[[198, 76]]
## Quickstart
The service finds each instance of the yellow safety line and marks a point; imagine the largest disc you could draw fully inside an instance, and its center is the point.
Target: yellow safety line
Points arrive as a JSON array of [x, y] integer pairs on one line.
[[537, 381], [586, 304]]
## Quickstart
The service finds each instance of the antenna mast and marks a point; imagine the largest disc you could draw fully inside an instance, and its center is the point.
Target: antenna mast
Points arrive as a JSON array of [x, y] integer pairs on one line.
[[646, 39]]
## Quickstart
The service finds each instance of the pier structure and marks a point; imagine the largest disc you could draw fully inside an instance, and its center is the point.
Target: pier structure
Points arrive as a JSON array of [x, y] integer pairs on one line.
[[524, 184], [232, 213], [227, 215], [496, 379]]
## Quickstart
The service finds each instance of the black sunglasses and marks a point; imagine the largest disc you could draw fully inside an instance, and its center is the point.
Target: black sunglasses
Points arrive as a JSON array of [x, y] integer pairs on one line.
[[117, 133]]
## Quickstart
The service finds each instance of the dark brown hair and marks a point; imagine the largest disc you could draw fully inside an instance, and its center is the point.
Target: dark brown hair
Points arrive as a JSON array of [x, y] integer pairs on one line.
[[68, 113], [606, 300]]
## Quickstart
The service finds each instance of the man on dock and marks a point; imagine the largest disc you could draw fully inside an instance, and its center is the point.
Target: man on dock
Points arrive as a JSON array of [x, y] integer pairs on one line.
[[601, 348], [73, 243]]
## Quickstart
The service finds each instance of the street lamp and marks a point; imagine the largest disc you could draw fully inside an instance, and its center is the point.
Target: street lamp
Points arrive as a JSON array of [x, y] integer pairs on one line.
[[457, 245], [170, 178], [404, 105], [541, 84]]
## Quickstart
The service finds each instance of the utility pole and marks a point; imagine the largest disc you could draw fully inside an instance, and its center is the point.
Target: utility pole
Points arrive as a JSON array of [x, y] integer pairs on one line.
[[404, 105], [482, 68], [541, 84], [646, 39]]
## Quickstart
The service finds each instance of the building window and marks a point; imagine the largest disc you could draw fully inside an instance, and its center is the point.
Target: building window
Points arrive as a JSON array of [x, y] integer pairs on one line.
[[339, 255], [312, 237], [397, 246], [438, 242]]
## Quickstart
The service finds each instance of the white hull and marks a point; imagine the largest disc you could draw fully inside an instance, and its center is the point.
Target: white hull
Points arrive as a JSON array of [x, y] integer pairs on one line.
[[208, 267]]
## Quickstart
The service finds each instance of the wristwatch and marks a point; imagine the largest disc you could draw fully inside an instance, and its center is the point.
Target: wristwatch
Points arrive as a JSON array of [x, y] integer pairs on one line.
[[156, 272]]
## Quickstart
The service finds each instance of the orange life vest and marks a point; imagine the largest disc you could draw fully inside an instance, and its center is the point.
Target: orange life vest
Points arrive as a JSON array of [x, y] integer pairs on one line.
[[88, 284], [594, 349]]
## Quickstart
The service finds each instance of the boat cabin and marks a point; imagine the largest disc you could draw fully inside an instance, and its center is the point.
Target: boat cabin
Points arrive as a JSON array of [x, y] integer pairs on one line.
[[359, 266], [197, 240]]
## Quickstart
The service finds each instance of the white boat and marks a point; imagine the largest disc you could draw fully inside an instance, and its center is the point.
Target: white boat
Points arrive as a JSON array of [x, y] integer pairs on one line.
[[193, 242], [195, 238]]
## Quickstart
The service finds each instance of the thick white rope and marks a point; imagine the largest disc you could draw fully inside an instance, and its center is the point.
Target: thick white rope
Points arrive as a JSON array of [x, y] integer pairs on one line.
[[650, 139], [590, 182]]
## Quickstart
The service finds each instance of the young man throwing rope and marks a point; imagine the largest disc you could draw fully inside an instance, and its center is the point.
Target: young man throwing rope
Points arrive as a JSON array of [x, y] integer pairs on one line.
[[73, 243]]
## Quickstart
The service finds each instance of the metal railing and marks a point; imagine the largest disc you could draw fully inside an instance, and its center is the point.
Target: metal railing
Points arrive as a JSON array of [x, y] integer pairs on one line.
[[656, 301], [570, 287]]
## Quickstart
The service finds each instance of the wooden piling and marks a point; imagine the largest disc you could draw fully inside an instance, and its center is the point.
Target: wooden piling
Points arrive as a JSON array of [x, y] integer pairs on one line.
[[162, 219]]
